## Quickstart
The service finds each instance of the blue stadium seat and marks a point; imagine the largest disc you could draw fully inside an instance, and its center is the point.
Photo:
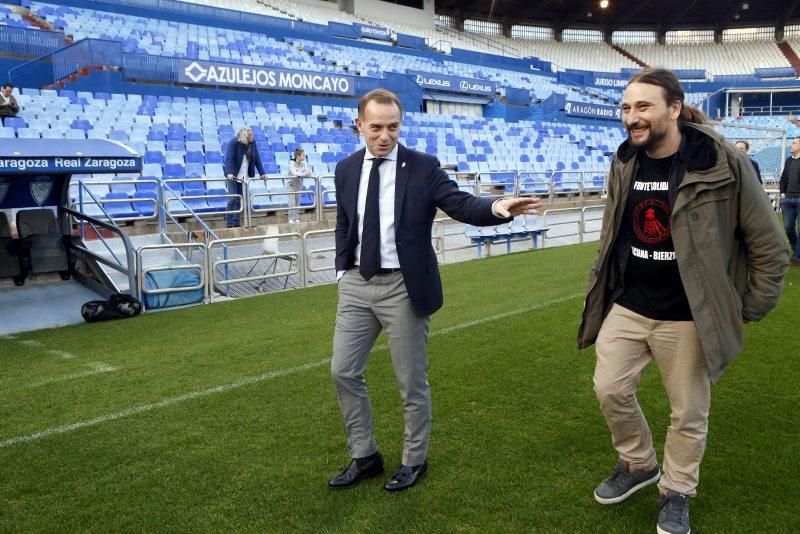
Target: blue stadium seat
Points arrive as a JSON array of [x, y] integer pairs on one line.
[[198, 205], [214, 157], [154, 157], [194, 157], [174, 170], [118, 210], [217, 203], [141, 203]]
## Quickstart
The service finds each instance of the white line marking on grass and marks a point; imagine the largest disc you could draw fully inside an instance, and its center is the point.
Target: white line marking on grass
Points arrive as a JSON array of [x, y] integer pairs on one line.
[[96, 369], [510, 313], [61, 354], [246, 381], [161, 404], [39, 345]]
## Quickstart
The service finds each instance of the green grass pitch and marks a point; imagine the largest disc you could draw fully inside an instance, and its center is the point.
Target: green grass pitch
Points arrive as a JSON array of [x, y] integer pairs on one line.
[[224, 418]]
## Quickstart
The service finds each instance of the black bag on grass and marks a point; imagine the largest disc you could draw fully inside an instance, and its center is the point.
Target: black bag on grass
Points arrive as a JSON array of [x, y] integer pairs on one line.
[[117, 306]]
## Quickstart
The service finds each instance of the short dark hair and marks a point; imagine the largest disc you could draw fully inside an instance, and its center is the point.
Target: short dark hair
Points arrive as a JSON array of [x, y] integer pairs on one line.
[[745, 143], [7, 85], [381, 96], [673, 92]]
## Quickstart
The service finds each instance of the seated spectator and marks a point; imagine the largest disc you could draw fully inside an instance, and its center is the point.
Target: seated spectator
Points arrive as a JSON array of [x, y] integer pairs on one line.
[[297, 170], [744, 146], [241, 161], [8, 104]]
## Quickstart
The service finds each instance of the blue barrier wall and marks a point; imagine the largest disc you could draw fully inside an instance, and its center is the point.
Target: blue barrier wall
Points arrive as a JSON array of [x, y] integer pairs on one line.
[[7, 64], [113, 82]]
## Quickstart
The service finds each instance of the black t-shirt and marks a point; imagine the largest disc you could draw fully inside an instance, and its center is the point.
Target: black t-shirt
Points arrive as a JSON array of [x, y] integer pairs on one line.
[[653, 286]]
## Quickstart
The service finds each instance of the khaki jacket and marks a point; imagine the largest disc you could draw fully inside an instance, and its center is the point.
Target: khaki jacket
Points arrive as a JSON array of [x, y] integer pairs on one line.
[[731, 251]]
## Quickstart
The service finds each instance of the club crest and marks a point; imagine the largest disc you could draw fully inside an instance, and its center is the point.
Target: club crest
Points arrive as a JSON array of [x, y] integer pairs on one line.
[[40, 189]]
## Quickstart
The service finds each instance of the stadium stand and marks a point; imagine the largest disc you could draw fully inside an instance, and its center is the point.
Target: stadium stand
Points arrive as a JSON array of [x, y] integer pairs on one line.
[[536, 131], [583, 56], [199, 130], [716, 59]]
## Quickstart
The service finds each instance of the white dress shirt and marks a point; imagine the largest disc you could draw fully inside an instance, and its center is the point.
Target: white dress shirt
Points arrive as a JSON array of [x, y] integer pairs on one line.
[[242, 176], [388, 171]]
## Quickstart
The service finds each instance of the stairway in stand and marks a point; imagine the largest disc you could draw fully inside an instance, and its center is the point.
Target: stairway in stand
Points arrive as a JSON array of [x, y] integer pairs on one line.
[[630, 56], [35, 20], [791, 56]]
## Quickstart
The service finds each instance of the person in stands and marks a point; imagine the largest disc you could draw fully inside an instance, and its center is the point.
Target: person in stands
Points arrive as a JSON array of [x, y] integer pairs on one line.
[[8, 104], [241, 162], [298, 169]]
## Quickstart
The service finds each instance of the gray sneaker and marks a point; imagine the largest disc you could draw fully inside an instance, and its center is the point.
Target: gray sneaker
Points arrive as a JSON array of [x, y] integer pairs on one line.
[[673, 514], [622, 484]]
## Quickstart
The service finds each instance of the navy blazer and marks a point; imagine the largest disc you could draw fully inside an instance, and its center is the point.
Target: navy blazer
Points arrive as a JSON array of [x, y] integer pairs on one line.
[[421, 186], [234, 156]]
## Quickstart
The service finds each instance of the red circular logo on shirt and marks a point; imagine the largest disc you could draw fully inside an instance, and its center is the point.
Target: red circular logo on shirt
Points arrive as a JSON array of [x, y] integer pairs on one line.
[[651, 221]]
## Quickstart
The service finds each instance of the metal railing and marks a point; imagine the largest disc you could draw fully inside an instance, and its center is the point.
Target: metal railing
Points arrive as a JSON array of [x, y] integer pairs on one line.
[[59, 64], [283, 193], [580, 222], [313, 234], [319, 196], [128, 268], [28, 42], [481, 40], [497, 184], [270, 251], [79, 203], [199, 211]]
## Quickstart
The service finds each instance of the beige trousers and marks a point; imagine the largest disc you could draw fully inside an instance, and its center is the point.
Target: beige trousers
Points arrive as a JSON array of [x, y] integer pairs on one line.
[[627, 342]]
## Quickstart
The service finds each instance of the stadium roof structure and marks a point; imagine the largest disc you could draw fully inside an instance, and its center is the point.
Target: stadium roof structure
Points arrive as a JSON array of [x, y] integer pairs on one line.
[[629, 14]]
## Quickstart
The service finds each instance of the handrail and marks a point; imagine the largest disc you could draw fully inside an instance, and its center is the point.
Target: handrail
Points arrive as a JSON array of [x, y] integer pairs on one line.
[[315, 233], [29, 42], [489, 42], [562, 223], [100, 203], [447, 50], [129, 253], [480, 185], [73, 64], [81, 187], [315, 193], [226, 243], [189, 211]]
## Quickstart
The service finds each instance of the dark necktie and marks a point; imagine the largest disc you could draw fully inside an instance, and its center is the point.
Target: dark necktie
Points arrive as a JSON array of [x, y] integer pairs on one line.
[[370, 260]]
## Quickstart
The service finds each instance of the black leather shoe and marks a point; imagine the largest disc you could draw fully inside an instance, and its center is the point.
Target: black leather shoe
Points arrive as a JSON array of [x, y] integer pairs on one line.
[[352, 473], [405, 477]]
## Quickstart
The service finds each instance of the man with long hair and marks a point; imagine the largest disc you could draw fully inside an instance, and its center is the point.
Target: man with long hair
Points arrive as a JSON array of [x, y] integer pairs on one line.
[[241, 162], [690, 251]]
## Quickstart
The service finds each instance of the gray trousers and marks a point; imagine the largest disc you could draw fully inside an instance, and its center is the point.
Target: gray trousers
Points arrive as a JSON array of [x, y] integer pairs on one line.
[[365, 308], [294, 200]]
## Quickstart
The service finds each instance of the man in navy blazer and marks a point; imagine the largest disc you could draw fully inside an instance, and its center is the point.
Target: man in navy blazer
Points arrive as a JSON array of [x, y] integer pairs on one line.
[[241, 162], [387, 197]]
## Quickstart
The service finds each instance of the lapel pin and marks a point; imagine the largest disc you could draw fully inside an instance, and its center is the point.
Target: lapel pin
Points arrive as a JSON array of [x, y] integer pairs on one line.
[[403, 164]]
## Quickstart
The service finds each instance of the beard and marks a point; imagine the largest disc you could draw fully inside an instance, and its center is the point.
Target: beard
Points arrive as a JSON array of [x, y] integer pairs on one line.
[[653, 139]]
